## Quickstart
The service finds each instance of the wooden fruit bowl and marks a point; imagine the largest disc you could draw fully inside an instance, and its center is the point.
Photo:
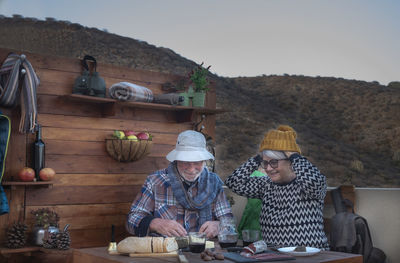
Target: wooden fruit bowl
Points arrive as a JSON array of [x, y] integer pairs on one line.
[[128, 150]]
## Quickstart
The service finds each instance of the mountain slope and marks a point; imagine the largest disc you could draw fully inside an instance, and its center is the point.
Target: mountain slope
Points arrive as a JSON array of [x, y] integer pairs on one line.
[[350, 129]]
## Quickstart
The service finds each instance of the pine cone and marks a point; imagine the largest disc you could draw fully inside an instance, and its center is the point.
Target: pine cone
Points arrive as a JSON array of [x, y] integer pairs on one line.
[[50, 240], [16, 235], [63, 239]]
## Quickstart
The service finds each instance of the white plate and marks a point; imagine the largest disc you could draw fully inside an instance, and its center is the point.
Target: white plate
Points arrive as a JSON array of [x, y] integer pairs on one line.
[[290, 251]]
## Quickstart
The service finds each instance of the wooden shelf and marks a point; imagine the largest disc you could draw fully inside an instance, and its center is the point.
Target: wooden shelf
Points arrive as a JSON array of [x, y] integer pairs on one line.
[[14, 184], [183, 111], [7, 252]]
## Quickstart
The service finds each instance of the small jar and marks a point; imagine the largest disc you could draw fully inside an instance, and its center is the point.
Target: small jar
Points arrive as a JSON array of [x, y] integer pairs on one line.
[[39, 232]]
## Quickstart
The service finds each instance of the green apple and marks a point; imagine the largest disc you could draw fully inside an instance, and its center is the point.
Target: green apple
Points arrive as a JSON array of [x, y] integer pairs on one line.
[[119, 134]]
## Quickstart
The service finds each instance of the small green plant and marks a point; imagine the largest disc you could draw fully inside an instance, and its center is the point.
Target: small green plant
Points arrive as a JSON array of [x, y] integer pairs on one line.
[[199, 78], [44, 217], [357, 166]]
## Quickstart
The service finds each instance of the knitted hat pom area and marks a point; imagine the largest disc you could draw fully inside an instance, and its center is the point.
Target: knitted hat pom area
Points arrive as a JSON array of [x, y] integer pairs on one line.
[[281, 139]]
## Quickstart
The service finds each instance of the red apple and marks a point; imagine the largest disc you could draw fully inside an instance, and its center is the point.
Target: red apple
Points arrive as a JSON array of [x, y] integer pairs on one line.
[[143, 135], [129, 132], [26, 174], [47, 174]]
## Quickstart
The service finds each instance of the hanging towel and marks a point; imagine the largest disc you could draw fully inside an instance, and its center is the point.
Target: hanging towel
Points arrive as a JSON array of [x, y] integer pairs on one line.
[[17, 72], [5, 130]]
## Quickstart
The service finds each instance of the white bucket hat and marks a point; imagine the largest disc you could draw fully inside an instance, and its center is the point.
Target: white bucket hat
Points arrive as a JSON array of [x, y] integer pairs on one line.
[[190, 147]]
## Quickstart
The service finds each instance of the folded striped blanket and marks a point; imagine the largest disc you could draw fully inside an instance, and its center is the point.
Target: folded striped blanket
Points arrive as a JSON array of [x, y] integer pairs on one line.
[[128, 91], [16, 71]]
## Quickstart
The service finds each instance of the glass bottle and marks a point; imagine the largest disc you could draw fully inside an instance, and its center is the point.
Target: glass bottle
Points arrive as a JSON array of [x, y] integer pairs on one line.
[[38, 153]]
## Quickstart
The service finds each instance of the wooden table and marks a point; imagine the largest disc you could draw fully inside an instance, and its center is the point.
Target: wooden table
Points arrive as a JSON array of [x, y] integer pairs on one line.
[[100, 255]]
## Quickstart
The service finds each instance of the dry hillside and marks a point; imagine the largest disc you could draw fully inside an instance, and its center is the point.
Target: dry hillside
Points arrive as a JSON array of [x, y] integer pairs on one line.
[[350, 129]]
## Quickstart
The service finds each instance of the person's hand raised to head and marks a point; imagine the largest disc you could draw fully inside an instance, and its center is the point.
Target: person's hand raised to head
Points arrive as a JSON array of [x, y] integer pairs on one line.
[[167, 227], [210, 228], [288, 154]]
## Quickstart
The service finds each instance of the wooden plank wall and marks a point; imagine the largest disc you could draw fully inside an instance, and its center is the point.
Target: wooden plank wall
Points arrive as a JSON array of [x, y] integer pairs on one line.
[[91, 191]]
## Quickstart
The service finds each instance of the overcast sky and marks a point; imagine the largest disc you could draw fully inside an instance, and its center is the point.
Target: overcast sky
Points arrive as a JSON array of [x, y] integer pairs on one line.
[[353, 39]]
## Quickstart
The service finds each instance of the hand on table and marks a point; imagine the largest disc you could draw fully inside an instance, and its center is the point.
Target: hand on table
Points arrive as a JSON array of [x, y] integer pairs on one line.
[[210, 228], [167, 227]]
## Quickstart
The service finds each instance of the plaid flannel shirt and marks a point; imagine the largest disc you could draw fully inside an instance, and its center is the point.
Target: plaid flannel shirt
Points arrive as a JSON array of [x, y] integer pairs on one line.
[[157, 199]]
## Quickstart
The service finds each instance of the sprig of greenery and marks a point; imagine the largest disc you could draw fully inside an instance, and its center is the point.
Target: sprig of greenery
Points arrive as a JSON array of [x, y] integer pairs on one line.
[[198, 77], [44, 217]]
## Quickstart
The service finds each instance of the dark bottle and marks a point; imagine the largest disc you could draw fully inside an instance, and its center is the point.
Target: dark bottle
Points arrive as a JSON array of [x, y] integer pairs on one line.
[[38, 153]]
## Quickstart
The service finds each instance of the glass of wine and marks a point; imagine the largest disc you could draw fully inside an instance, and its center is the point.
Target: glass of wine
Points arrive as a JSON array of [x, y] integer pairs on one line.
[[227, 235], [249, 236], [197, 242]]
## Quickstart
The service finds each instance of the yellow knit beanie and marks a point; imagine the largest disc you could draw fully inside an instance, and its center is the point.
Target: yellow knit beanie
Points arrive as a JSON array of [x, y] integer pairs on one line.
[[282, 139]]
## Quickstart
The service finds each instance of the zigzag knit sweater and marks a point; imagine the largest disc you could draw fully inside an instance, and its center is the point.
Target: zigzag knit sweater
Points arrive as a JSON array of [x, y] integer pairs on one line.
[[291, 213]]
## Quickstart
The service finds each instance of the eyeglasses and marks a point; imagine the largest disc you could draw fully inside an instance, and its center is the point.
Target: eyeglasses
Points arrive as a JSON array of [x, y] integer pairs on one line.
[[273, 163]]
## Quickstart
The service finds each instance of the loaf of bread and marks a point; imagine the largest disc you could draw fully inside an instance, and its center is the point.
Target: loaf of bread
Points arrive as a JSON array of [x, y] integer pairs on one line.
[[147, 245], [170, 244], [158, 244], [135, 245]]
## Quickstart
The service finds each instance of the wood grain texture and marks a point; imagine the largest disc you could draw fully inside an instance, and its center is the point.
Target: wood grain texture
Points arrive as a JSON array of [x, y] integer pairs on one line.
[[75, 211], [72, 134], [85, 148], [99, 237], [51, 104], [98, 179], [98, 254], [103, 164], [64, 195], [90, 123], [90, 225], [91, 191], [61, 82]]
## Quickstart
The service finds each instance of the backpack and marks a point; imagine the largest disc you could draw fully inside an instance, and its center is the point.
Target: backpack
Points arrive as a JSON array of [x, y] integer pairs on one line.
[[5, 131], [90, 83], [350, 232]]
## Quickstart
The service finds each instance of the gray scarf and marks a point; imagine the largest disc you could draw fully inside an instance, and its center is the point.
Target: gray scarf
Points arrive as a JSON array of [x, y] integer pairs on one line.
[[209, 187]]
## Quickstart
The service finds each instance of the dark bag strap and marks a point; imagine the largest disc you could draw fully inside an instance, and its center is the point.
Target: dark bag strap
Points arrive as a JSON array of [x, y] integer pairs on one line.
[[89, 58], [339, 203]]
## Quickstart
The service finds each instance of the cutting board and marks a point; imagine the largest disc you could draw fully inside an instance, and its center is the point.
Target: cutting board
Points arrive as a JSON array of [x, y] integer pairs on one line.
[[152, 255], [238, 258], [269, 256]]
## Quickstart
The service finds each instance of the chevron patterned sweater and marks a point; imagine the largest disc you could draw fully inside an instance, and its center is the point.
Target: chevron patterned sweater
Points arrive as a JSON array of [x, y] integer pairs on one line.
[[291, 213]]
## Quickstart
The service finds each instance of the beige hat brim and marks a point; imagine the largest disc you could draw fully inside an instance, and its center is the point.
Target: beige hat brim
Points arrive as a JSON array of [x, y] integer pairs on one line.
[[189, 156]]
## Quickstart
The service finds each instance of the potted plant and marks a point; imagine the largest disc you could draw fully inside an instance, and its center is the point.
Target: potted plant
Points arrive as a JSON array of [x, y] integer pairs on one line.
[[46, 220], [200, 81]]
